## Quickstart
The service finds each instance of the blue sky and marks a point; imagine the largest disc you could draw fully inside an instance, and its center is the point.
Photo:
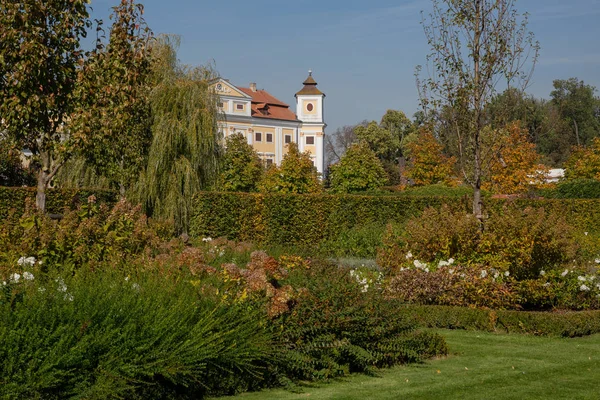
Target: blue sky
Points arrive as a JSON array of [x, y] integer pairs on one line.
[[362, 53]]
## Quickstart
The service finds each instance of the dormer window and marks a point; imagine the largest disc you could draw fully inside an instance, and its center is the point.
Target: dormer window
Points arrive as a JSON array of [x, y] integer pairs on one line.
[[263, 108]]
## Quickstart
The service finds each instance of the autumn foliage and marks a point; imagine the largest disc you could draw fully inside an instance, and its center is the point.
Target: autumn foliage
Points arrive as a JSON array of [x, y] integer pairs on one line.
[[584, 162], [427, 163], [514, 165]]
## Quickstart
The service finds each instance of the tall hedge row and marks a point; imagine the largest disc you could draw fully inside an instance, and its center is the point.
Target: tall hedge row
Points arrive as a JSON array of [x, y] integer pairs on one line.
[[312, 219], [56, 201]]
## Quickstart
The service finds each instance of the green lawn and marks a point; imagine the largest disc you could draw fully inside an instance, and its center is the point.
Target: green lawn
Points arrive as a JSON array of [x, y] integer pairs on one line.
[[480, 366]]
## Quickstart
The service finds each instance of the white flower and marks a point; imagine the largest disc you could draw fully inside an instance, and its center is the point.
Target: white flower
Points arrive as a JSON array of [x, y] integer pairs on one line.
[[135, 286], [450, 261], [28, 276], [26, 261], [581, 278], [542, 272], [443, 263], [221, 253], [585, 233], [4, 283], [584, 288], [506, 273], [483, 273], [426, 269], [15, 277], [41, 289], [451, 270], [61, 285], [496, 274], [409, 255], [547, 284], [207, 239], [68, 297], [126, 279], [597, 260], [565, 272]]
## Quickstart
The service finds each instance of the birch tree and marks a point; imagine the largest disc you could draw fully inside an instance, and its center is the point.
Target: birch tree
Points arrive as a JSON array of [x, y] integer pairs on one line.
[[478, 48]]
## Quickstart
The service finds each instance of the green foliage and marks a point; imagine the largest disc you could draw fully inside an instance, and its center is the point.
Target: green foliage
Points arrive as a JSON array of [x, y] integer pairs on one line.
[[578, 106], [185, 152], [104, 335], [91, 235], [12, 172], [359, 170], [242, 168], [111, 122], [303, 220], [15, 199], [574, 189], [38, 77], [297, 174], [438, 189], [565, 324]]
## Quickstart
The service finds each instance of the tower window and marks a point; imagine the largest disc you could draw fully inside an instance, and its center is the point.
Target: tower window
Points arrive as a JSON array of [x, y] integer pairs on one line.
[[309, 107], [310, 140], [258, 136], [269, 137]]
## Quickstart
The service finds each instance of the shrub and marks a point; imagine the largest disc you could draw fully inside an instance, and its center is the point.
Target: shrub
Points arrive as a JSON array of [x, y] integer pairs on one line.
[[101, 335], [337, 326], [90, 235], [574, 189], [521, 241], [565, 324], [57, 199]]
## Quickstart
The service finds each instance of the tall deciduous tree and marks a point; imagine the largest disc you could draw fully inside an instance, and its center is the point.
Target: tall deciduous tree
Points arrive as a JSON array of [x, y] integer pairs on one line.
[[242, 168], [111, 123], [579, 108], [39, 54], [427, 164], [359, 170], [516, 166], [474, 44], [297, 174], [185, 152]]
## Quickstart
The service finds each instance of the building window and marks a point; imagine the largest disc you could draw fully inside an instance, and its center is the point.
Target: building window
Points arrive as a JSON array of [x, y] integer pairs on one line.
[[269, 162], [287, 139], [221, 105], [239, 106], [269, 137], [310, 140], [257, 136], [309, 107]]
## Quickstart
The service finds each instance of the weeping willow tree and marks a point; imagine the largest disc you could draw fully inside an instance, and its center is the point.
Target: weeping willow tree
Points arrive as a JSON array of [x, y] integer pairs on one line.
[[186, 148]]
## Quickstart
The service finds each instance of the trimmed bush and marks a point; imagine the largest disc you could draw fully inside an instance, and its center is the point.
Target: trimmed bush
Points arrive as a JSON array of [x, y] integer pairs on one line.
[[319, 221], [565, 324], [575, 189], [56, 201]]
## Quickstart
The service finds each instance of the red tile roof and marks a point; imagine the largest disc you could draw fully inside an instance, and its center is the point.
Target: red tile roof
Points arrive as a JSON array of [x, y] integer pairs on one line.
[[275, 108]]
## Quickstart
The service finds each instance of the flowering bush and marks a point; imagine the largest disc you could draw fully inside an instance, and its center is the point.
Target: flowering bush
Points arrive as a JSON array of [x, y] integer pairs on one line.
[[522, 242]]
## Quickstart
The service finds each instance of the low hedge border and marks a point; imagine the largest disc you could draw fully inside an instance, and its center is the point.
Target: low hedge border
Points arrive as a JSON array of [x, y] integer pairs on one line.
[[56, 199], [557, 323]]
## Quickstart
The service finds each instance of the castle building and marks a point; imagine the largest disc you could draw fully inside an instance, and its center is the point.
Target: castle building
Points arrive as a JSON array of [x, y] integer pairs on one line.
[[268, 123]]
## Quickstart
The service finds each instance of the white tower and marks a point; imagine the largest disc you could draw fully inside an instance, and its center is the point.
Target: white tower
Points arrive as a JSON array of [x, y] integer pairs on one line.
[[309, 108]]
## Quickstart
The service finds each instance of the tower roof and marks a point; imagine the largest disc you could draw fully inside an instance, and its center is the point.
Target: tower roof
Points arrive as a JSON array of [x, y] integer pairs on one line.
[[310, 86]]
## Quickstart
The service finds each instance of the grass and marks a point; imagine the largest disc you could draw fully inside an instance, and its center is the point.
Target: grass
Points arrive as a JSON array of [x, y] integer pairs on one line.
[[480, 366]]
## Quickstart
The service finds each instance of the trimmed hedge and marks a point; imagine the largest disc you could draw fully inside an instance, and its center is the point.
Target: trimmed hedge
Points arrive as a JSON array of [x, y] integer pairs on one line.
[[565, 324], [310, 220], [56, 199], [575, 189]]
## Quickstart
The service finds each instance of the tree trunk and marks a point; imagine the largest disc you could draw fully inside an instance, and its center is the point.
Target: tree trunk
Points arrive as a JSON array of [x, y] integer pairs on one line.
[[43, 178], [576, 132], [42, 182]]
